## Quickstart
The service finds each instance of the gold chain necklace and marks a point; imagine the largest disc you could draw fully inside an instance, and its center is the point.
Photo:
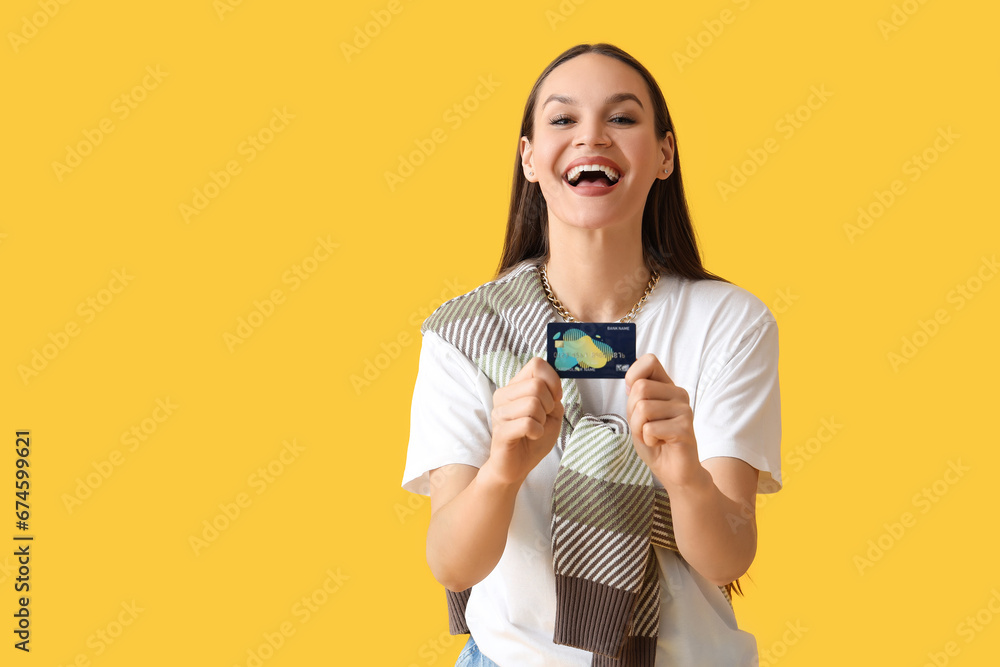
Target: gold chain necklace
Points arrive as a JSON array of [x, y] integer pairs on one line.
[[561, 309]]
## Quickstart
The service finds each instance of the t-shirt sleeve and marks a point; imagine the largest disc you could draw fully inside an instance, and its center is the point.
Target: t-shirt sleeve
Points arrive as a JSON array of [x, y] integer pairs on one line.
[[739, 411], [449, 413]]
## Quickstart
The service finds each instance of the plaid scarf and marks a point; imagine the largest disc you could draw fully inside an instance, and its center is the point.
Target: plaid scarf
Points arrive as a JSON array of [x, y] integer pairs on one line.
[[606, 511]]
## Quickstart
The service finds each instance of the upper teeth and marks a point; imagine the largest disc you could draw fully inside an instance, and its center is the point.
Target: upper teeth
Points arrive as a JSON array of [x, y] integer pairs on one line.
[[574, 174]]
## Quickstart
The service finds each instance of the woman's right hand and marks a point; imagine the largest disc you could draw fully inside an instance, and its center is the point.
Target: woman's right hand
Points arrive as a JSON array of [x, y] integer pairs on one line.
[[471, 509], [527, 416]]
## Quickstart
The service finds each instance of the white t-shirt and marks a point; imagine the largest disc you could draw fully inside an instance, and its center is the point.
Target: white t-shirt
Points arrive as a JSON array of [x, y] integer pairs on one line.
[[717, 341]]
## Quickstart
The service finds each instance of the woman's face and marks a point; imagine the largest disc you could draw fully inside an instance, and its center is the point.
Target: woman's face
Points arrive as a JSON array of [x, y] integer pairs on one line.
[[595, 109]]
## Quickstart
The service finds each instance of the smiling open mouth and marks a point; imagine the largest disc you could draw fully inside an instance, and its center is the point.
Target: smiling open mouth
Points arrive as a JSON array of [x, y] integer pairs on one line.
[[592, 174]]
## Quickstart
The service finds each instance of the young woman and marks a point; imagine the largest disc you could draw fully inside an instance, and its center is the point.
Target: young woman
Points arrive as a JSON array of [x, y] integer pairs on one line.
[[555, 547]]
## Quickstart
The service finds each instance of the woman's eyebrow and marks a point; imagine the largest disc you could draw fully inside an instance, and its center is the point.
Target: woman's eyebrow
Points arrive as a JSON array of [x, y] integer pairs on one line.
[[611, 99]]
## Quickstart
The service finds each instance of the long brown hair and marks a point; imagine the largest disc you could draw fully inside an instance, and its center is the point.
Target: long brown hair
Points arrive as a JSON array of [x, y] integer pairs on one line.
[[669, 244], [668, 239]]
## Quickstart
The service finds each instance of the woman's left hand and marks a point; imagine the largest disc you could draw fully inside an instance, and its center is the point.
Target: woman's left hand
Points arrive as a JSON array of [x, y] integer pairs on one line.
[[662, 422]]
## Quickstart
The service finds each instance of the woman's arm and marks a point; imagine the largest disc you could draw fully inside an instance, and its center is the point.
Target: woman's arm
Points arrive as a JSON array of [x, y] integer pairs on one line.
[[470, 516], [471, 509], [712, 503], [714, 518]]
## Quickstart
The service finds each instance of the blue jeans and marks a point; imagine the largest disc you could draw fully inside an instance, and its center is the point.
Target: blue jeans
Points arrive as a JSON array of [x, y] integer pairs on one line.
[[471, 657]]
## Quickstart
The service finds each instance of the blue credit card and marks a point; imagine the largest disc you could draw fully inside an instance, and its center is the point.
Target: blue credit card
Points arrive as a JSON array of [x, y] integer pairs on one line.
[[591, 349]]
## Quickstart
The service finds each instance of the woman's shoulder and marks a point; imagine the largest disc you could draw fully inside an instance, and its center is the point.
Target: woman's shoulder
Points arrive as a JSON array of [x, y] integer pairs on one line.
[[720, 302], [485, 298]]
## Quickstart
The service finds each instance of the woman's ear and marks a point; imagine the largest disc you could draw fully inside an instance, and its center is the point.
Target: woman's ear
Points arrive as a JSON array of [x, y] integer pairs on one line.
[[667, 148], [529, 170]]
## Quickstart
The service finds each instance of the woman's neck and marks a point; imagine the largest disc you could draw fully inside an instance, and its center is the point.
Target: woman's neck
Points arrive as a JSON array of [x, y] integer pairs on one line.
[[596, 275]]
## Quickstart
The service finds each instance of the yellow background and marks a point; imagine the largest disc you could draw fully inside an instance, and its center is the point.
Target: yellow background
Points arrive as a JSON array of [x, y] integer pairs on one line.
[[843, 305]]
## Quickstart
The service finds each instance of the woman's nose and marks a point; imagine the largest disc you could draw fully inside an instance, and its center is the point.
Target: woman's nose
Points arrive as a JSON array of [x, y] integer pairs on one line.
[[592, 132]]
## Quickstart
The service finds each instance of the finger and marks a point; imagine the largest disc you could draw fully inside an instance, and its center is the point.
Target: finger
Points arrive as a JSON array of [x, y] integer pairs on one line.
[[661, 433], [532, 426], [657, 392], [526, 427], [553, 423], [645, 452], [646, 366], [649, 433], [654, 410], [526, 407], [635, 425], [533, 429], [537, 367], [528, 387], [675, 414]]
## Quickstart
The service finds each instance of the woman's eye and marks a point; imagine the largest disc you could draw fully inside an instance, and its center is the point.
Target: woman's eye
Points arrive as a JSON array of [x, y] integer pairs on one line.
[[618, 119]]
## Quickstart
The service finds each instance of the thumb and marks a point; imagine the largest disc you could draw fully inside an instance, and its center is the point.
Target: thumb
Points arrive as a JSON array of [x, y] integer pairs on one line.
[[644, 451], [553, 420]]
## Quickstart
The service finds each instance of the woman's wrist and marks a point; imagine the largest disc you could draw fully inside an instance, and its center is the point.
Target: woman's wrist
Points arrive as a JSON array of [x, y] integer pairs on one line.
[[497, 481], [695, 484]]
